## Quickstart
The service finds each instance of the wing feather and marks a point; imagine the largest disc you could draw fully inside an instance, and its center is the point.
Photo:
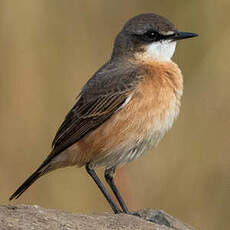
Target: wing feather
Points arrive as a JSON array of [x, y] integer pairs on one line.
[[86, 116], [99, 100]]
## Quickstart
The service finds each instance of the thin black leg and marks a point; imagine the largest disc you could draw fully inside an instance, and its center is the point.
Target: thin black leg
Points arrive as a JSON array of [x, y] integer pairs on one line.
[[92, 173], [156, 218], [109, 174]]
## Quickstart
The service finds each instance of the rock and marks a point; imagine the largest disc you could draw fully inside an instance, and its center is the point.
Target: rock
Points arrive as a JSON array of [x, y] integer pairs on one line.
[[38, 218]]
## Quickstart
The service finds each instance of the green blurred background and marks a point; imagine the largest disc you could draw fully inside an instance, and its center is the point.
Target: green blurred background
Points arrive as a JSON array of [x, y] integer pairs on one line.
[[49, 49]]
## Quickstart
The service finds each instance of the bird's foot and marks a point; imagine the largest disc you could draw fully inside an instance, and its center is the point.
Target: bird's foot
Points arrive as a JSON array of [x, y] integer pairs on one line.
[[118, 211], [156, 217]]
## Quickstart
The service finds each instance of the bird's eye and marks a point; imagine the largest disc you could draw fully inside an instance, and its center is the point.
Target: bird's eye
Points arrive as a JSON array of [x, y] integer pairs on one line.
[[150, 35]]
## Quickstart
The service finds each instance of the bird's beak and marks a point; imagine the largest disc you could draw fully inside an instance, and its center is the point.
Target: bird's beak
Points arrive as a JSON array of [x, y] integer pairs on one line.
[[183, 35]]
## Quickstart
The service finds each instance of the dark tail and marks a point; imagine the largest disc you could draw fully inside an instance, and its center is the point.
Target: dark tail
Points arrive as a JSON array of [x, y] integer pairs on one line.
[[39, 172], [44, 168]]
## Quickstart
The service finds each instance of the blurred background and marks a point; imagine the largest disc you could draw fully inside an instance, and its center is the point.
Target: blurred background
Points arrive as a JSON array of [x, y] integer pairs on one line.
[[49, 49]]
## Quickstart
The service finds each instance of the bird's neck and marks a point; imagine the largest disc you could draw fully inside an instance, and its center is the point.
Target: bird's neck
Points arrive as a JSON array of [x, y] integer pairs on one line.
[[164, 74]]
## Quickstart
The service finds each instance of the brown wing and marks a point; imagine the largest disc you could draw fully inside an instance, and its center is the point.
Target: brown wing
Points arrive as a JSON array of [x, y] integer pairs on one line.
[[86, 116], [102, 96]]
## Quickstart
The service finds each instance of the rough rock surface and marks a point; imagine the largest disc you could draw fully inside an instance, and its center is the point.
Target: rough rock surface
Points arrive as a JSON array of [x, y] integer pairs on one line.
[[37, 218]]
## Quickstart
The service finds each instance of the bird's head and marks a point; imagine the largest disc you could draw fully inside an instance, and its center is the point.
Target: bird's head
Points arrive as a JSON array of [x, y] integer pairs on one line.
[[148, 36]]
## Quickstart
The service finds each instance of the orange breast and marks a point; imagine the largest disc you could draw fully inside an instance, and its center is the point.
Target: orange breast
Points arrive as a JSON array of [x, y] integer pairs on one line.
[[139, 125]]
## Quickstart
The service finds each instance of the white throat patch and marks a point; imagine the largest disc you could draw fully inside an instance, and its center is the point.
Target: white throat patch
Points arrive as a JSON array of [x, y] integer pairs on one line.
[[162, 50]]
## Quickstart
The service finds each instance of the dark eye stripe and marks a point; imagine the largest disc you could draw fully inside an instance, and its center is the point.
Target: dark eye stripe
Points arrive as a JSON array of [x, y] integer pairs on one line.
[[151, 36]]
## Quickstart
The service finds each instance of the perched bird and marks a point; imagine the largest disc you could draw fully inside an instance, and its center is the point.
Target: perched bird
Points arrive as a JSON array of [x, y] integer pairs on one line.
[[125, 108]]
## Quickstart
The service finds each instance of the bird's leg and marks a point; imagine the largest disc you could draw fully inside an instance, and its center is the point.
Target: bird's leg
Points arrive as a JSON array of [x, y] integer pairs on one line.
[[93, 174], [109, 174]]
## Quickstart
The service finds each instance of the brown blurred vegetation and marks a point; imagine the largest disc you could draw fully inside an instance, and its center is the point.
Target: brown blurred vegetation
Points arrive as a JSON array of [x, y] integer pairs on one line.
[[48, 50]]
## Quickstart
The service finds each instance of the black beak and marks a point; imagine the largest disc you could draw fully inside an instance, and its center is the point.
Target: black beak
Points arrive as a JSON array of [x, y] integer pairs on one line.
[[183, 35]]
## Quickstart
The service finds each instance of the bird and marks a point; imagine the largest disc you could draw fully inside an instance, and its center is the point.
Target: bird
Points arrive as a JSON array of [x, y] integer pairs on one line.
[[124, 109]]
